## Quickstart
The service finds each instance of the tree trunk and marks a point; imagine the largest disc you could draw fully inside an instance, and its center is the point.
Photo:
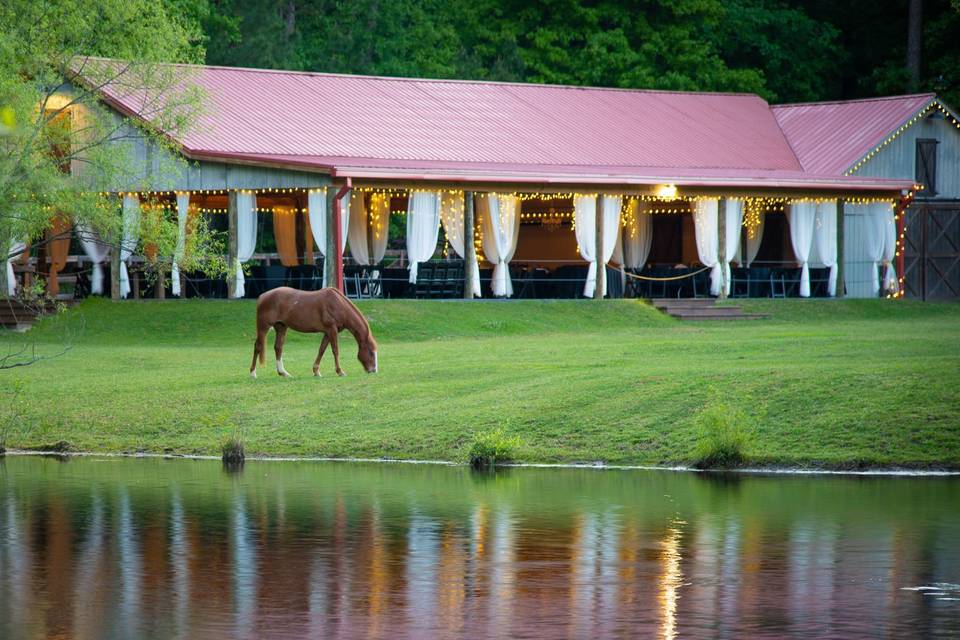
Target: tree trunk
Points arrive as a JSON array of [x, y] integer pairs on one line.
[[598, 252], [232, 244], [914, 43], [469, 251]]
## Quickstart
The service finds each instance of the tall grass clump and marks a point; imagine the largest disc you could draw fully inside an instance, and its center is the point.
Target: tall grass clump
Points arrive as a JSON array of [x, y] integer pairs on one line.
[[723, 434], [493, 447], [231, 451]]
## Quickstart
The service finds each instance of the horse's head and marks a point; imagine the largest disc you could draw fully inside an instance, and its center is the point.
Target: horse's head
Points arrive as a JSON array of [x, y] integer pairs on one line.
[[367, 354]]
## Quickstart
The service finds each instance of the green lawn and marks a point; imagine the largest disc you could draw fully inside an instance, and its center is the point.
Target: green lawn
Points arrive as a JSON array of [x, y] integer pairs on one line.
[[835, 383]]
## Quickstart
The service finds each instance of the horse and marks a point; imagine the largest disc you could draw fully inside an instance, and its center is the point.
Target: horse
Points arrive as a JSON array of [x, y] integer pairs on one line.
[[327, 311]]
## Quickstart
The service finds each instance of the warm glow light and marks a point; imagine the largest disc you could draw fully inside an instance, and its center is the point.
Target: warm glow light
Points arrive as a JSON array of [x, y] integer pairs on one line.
[[667, 191]]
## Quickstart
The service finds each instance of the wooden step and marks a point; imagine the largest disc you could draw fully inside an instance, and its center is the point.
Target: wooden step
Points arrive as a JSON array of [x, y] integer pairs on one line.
[[702, 309]]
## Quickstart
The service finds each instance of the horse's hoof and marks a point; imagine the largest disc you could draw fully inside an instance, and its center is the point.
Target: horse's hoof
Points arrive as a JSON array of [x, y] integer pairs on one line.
[[284, 374], [253, 374], [341, 373], [316, 374]]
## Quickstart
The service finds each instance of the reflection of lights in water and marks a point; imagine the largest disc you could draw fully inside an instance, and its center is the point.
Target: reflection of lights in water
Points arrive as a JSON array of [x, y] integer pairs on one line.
[[379, 572], [670, 580]]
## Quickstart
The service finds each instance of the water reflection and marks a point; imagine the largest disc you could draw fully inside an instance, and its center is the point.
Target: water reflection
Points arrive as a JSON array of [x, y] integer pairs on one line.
[[151, 548]]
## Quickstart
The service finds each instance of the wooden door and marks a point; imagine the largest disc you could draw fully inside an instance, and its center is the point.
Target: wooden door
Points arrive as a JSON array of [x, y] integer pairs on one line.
[[932, 251]]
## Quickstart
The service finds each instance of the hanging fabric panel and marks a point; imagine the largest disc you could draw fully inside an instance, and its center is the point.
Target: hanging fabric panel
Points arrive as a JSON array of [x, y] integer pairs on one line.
[[802, 217], [97, 252], [585, 223], [15, 248], [890, 283], [637, 235], [501, 228], [357, 231], [733, 221], [423, 228], [285, 233], [129, 239], [753, 243], [246, 236], [707, 231], [379, 226], [825, 240], [451, 216], [183, 211], [875, 240], [58, 247], [317, 211]]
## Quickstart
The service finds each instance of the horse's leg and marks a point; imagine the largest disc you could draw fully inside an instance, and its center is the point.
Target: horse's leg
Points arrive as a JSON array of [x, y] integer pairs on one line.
[[258, 347], [335, 347], [281, 330], [323, 347]]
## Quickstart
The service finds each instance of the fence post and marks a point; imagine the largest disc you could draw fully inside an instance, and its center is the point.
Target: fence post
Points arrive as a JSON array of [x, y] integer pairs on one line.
[[598, 252], [841, 286], [722, 246]]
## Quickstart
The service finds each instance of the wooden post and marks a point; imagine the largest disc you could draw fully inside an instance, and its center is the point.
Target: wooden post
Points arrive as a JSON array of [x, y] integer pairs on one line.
[[841, 287], [333, 263], [469, 251], [232, 244], [722, 246], [160, 292], [901, 244], [598, 252]]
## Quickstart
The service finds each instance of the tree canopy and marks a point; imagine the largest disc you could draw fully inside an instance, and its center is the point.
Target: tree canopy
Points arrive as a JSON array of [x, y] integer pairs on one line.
[[785, 50]]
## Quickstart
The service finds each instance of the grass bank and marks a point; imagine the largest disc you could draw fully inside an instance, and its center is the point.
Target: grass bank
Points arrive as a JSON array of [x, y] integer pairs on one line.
[[822, 383]]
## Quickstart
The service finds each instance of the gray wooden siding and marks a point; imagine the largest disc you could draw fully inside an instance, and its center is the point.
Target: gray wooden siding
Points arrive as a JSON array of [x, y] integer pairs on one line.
[[898, 158]]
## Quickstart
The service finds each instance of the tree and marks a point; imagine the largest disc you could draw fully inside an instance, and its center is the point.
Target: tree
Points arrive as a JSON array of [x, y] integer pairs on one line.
[[63, 150]]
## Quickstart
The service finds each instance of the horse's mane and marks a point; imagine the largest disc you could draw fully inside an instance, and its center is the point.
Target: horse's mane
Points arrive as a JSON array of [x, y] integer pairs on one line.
[[359, 314]]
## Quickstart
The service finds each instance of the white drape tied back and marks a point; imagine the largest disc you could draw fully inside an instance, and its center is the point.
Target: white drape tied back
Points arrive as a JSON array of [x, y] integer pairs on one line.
[[707, 231], [183, 207], [96, 252], [637, 234], [129, 239], [317, 214], [423, 228], [451, 215], [890, 283], [14, 250], [733, 220], [500, 220], [825, 241], [802, 216], [369, 224], [876, 217], [585, 222], [753, 243], [246, 235]]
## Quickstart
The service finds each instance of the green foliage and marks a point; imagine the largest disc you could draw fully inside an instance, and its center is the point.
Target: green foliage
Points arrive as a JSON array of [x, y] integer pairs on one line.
[[62, 148], [493, 447], [722, 436]]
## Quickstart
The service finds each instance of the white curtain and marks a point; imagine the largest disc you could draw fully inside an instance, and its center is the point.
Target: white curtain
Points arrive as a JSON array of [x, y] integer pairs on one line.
[[638, 235], [500, 219], [246, 235], [707, 232], [890, 282], [360, 220], [733, 221], [317, 213], [128, 242], [875, 240], [825, 237], [451, 215], [753, 244], [802, 216], [585, 223], [97, 253], [423, 228], [183, 206], [15, 248]]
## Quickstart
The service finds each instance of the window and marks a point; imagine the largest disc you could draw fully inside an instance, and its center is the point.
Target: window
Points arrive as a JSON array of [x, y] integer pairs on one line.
[[926, 169]]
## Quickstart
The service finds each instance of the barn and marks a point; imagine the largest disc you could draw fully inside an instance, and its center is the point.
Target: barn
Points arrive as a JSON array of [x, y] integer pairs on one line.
[[397, 187]]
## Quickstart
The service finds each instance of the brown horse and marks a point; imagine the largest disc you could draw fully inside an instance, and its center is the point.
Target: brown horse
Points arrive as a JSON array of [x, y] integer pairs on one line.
[[326, 310]]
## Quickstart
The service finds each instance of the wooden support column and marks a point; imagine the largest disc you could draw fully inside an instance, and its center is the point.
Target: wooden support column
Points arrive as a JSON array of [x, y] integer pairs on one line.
[[901, 243], [159, 291], [841, 287], [722, 245], [232, 244], [329, 263], [598, 252], [469, 251]]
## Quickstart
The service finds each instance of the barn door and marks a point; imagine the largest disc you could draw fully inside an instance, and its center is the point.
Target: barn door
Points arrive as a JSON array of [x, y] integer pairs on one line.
[[932, 251]]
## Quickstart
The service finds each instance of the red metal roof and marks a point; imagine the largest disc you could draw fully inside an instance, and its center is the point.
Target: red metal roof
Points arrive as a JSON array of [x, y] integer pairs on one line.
[[830, 137], [365, 126]]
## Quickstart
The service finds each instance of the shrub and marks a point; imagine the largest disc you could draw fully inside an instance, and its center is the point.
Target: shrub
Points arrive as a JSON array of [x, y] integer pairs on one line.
[[231, 451], [723, 434], [493, 447]]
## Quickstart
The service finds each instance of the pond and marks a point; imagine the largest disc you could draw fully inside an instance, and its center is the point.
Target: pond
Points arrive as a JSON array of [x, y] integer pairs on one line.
[[162, 548]]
